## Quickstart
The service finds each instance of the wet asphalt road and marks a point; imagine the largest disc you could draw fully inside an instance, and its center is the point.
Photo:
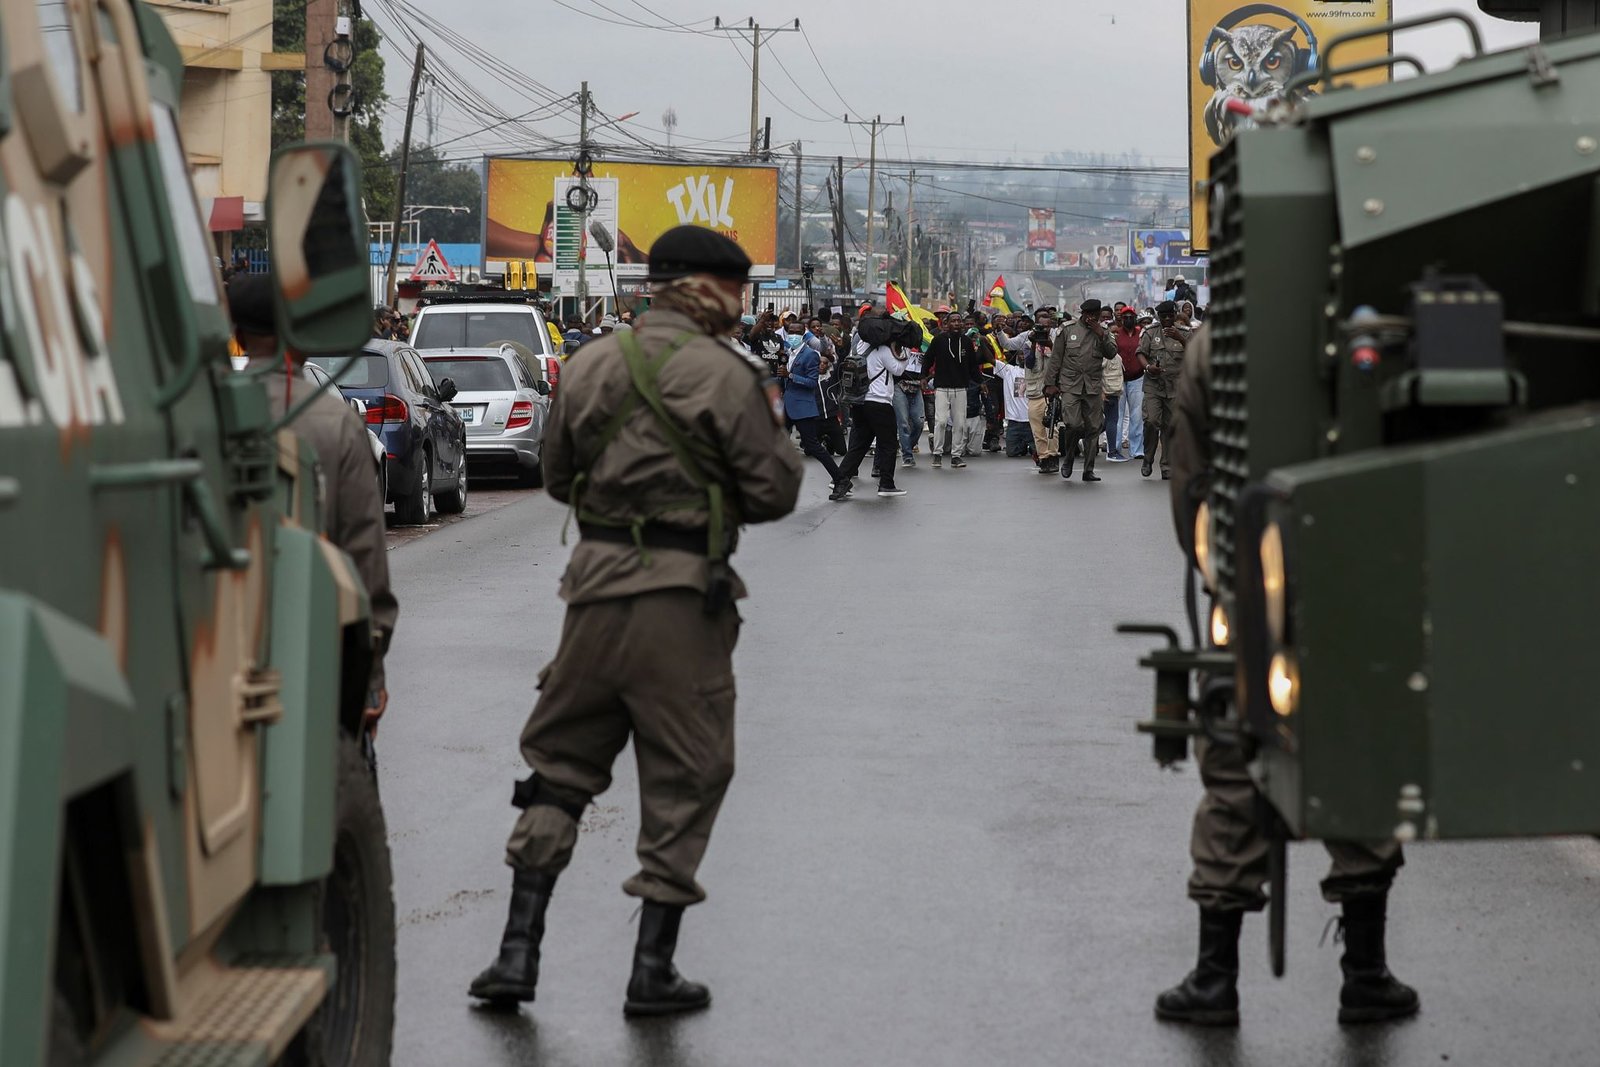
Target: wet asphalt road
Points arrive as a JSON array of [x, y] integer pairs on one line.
[[944, 844]]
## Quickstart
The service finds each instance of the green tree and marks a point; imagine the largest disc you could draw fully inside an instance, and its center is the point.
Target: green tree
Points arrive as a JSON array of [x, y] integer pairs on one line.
[[366, 117], [433, 179]]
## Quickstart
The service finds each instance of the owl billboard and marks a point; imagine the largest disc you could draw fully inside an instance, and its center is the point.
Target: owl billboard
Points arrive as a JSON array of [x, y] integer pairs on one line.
[[1254, 53], [651, 198]]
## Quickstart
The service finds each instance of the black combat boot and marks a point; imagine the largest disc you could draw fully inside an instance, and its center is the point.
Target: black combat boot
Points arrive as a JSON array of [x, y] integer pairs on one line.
[[1370, 993], [1069, 457], [656, 987], [1149, 462], [511, 978], [1209, 995]]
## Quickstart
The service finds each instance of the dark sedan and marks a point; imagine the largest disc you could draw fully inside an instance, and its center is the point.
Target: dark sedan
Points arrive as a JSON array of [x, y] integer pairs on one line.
[[425, 441]]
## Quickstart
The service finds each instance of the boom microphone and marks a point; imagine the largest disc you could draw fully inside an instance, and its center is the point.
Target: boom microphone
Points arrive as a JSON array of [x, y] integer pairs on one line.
[[602, 236]]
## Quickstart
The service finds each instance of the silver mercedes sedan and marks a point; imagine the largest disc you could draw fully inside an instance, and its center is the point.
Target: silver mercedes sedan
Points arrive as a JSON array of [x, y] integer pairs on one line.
[[502, 398]]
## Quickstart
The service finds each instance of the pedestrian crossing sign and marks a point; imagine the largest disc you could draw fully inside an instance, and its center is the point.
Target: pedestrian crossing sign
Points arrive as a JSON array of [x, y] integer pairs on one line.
[[432, 266]]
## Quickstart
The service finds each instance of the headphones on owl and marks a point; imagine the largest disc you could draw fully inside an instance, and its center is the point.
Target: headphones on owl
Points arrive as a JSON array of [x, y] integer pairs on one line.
[[1304, 58]]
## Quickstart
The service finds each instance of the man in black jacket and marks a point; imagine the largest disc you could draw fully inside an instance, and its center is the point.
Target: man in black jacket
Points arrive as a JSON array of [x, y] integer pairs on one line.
[[953, 359]]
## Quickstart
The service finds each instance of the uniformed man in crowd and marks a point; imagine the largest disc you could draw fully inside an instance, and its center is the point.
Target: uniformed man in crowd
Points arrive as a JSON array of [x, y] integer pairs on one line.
[[1077, 359], [1160, 352], [1228, 845], [663, 440], [352, 504]]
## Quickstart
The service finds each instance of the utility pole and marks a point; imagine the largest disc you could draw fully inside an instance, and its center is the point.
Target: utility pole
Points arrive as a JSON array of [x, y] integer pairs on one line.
[[799, 168], [400, 186], [583, 183], [836, 203], [911, 218], [876, 123], [320, 78], [756, 34]]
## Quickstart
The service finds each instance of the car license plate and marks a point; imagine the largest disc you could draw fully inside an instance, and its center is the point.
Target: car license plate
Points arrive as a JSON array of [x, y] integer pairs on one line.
[[468, 414]]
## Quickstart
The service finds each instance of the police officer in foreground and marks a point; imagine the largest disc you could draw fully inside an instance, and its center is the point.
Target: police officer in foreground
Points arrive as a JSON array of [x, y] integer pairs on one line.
[[1074, 372], [352, 504], [1228, 845], [663, 440], [1160, 352]]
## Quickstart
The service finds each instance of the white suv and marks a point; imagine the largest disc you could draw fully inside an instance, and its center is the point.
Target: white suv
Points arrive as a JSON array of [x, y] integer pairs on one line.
[[480, 324]]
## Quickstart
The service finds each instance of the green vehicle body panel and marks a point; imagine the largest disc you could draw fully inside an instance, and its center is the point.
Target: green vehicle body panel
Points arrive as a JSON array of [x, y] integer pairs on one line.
[[148, 523]]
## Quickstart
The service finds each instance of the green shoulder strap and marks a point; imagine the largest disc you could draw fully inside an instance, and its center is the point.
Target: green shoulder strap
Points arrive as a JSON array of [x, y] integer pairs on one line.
[[692, 453]]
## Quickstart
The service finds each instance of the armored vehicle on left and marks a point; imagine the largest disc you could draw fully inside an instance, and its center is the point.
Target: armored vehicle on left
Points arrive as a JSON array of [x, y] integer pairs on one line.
[[192, 856]]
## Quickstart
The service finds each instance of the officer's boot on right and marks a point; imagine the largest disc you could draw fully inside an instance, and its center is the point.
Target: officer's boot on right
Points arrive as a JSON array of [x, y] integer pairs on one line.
[[511, 978], [1370, 993], [656, 987], [1209, 995], [1152, 438]]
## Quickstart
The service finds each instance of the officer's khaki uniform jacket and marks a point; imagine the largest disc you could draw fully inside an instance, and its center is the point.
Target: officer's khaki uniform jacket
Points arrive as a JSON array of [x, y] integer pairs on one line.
[[715, 394], [352, 510], [1077, 360], [1162, 351]]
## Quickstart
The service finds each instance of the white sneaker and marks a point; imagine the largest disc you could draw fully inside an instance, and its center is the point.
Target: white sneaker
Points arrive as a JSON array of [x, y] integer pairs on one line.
[[891, 492]]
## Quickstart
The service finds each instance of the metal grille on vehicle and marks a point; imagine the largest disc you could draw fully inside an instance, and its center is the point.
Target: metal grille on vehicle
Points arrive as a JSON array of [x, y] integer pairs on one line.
[[1230, 439]]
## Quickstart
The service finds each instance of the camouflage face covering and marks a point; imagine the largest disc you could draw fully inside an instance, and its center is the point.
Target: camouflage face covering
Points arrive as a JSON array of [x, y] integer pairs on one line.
[[702, 298]]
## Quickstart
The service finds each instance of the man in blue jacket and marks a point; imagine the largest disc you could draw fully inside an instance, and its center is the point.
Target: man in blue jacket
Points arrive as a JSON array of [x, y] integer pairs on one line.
[[802, 403]]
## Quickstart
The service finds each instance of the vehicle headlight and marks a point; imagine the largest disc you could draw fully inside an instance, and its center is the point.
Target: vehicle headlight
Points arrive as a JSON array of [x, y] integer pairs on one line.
[[1274, 582], [1202, 544], [1283, 683], [1220, 630]]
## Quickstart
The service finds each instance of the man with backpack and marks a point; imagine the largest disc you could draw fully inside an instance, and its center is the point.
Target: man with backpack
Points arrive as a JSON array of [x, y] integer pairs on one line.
[[868, 374]]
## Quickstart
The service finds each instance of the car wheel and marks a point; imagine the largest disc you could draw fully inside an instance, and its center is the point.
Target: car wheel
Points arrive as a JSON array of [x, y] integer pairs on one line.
[[416, 507], [454, 502]]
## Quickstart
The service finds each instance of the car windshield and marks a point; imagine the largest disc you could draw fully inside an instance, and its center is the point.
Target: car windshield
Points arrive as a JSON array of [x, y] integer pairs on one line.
[[477, 329], [369, 371], [473, 374]]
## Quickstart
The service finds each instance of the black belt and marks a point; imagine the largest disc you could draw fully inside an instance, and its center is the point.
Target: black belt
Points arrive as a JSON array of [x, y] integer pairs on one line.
[[653, 535]]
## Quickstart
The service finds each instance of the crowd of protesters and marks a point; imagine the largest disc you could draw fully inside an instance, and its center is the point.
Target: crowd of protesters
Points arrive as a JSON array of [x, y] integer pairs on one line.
[[1049, 386]]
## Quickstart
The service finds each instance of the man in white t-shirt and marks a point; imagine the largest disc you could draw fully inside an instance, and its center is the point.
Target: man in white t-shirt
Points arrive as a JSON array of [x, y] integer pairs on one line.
[[874, 422], [1012, 382]]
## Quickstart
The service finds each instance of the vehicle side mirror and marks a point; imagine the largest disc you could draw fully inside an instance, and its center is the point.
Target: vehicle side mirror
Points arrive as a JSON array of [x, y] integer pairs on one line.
[[317, 230], [447, 389], [541, 387]]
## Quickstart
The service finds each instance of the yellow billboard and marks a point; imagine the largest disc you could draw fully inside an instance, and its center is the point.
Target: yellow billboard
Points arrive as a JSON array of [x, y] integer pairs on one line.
[[740, 202], [1253, 53]]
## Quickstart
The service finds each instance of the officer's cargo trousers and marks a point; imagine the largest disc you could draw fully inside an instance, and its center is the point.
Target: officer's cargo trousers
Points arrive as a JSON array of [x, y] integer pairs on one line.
[[1230, 851], [1158, 412], [657, 667]]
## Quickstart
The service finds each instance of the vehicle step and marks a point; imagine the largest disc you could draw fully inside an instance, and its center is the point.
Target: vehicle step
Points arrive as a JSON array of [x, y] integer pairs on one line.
[[242, 1015]]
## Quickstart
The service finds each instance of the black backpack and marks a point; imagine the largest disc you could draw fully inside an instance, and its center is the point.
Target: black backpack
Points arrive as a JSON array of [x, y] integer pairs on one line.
[[854, 381]]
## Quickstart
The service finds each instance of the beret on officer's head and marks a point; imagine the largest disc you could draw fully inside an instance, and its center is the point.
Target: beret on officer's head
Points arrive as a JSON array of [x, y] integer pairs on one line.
[[1166, 307], [1091, 307], [685, 250], [250, 304]]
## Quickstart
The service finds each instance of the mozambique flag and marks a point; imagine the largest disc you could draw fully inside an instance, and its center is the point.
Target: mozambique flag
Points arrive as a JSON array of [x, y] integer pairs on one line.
[[894, 300], [1000, 299]]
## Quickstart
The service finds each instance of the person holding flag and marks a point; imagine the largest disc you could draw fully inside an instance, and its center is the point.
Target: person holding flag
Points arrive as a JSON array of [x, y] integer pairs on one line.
[[1000, 300], [909, 412]]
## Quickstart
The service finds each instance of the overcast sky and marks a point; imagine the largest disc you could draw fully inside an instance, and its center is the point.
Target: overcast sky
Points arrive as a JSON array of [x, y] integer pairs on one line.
[[1101, 75]]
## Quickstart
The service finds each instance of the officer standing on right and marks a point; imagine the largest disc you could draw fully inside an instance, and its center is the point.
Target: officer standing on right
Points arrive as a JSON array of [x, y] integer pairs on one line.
[[1160, 352], [1228, 845], [1077, 362], [664, 439]]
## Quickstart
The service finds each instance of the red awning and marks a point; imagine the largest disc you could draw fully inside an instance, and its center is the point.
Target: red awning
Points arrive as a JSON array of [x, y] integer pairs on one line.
[[227, 214]]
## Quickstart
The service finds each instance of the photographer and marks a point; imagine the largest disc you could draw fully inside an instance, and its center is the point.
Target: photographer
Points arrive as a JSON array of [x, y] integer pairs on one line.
[[766, 342], [908, 409], [1034, 362], [869, 386]]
